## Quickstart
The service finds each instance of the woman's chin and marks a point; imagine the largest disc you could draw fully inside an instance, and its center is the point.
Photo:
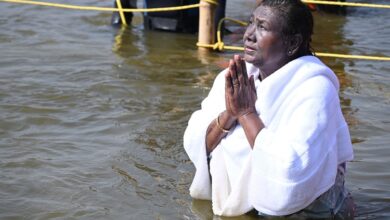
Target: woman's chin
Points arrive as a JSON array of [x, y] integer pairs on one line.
[[249, 58]]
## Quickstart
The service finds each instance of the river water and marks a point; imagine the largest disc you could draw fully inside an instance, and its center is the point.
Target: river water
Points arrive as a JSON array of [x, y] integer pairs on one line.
[[92, 117]]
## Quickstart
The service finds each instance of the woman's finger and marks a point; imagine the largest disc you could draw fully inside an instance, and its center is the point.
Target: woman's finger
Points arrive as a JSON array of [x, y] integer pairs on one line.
[[252, 83], [240, 76], [243, 68], [228, 82], [234, 73]]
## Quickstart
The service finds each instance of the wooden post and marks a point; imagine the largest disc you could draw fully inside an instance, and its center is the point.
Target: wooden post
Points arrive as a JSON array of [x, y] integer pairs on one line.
[[206, 34]]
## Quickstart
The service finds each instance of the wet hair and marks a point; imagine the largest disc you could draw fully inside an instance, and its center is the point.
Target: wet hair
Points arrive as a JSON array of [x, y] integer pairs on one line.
[[296, 18]]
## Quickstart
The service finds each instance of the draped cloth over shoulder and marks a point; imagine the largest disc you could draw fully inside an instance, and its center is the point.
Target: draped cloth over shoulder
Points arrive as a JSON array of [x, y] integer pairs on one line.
[[295, 157]]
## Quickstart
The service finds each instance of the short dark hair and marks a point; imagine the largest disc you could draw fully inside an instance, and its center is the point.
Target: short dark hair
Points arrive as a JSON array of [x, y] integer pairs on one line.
[[296, 19]]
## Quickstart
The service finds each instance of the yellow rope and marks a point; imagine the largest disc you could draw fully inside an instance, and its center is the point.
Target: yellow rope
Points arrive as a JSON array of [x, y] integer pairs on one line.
[[121, 13], [242, 23], [93, 8], [77, 7], [219, 45], [216, 46], [353, 4], [335, 55], [347, 56]]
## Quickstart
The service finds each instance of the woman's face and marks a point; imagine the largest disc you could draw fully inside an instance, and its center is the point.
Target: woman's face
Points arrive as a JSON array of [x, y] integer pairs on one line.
[[264, 46]]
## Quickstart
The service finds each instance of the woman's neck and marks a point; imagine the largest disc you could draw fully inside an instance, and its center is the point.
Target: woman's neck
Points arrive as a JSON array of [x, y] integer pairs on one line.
[[267, 71]]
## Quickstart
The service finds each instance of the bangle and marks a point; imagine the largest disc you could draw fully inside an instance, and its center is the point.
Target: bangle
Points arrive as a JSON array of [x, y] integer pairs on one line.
[[219, 126]]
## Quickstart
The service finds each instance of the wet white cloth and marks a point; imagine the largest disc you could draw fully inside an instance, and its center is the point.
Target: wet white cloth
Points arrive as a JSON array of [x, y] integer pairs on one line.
[[295, 157]]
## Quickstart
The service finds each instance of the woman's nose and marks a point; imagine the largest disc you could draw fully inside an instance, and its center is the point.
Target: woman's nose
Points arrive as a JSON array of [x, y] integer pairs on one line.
[[249, 33]]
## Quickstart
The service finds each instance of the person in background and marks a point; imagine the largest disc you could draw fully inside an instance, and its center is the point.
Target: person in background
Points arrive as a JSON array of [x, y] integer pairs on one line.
[[270, 137]]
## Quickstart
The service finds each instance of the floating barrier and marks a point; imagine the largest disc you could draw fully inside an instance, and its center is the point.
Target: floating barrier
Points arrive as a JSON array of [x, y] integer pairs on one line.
[[220, 46]]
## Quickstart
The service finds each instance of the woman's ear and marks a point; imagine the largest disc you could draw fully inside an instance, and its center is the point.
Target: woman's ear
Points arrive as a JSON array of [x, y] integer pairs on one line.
[[294, 43]]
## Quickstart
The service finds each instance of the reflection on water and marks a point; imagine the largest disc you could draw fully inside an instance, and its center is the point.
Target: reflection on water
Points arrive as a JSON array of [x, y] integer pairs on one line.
[[92, 117]]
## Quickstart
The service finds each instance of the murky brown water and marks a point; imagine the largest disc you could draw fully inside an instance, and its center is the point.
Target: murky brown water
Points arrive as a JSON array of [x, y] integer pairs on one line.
[[91, 117]]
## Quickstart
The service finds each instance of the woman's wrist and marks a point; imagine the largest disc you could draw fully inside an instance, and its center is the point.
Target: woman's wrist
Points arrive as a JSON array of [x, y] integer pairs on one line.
[[252, 125], [246, 116], [225, 121], [218, 129]]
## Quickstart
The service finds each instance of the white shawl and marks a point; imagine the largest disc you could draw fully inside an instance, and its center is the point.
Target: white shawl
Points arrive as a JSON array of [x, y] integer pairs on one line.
[[295, 157]]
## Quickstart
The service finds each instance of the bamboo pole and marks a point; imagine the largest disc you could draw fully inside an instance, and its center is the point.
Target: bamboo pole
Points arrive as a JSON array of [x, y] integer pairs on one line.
[[206, 34]]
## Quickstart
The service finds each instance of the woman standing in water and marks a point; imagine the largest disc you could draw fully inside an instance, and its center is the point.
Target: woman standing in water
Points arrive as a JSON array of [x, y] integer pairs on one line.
[[270, 136]]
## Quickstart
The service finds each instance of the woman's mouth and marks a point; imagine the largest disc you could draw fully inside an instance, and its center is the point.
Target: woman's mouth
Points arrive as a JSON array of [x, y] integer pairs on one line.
[[249, 49]]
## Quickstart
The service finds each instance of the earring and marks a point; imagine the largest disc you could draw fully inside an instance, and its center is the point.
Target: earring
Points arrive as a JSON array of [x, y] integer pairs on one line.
[[289, 52]]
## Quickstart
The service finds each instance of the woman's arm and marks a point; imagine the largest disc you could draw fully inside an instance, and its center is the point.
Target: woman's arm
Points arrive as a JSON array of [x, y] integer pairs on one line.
[[252, 125], [218, 129]]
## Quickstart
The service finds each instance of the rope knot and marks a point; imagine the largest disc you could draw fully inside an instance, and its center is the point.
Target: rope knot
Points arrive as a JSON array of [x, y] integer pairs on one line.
[[219, 46]]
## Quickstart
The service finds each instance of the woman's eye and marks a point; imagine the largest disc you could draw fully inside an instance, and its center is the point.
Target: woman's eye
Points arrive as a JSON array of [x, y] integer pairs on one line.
[[260, 26]]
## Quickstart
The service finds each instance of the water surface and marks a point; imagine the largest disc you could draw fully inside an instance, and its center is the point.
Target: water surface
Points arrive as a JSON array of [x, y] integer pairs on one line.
[[92, 117]]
